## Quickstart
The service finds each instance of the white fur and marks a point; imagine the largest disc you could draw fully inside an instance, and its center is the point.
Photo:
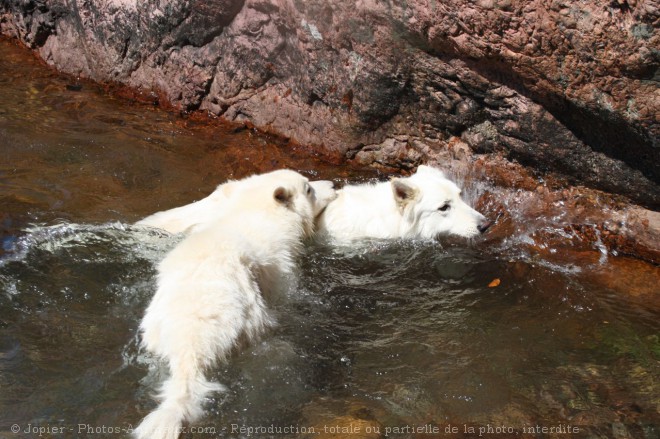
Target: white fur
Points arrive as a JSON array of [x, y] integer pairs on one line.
[[401, 208], [212, 287], [182, 219]]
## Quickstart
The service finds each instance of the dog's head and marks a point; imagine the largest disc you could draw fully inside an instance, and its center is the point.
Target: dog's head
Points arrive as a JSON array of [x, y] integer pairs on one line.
[[305, 198], [432, 205]]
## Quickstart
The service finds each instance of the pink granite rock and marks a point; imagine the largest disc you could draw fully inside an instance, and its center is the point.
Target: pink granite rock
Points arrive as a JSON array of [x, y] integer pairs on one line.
[[570, 87]]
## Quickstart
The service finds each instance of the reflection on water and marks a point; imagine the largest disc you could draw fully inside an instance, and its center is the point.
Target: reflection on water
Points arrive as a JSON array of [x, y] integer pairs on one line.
[[385, 335]]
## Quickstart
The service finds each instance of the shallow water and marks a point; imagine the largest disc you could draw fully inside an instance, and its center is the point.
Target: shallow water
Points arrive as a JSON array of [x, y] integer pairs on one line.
[[389, 336]]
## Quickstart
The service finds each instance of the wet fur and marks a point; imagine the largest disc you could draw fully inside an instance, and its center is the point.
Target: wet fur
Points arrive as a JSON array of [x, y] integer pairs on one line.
[[212, 290], [409, 207]]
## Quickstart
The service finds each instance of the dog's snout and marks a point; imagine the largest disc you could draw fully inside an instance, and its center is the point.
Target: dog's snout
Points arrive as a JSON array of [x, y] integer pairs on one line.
[[484, 225]]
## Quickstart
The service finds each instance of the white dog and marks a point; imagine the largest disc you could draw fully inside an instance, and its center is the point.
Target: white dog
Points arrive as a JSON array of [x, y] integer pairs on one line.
[[211, 287], [182, 219], [424, 205]]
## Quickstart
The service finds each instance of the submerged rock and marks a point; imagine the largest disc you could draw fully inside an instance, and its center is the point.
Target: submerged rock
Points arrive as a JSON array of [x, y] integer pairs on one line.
[[332, 419], [561, 86]]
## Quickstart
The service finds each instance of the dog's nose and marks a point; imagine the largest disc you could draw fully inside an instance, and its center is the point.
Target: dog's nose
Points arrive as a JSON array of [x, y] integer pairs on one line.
[[484, 225]]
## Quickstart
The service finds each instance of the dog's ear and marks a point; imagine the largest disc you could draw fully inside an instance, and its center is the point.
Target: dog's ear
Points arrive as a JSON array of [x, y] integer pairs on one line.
[[224, 190], [424, 169], [283, 195], [403, 191]]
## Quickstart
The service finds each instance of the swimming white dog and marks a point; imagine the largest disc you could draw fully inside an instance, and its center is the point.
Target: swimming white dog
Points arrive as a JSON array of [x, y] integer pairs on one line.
[[183, 219], [425, 205], [212, 286]]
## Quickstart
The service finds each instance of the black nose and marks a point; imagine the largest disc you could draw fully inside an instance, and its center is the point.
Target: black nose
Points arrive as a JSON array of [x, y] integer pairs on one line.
[[484, 225]]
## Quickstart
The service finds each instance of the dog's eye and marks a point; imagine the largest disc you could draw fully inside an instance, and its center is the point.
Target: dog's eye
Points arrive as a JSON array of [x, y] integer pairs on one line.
[[309, 190], [444, 207]]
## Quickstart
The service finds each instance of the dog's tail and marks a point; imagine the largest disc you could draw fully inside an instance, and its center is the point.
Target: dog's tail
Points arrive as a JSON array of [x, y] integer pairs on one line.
[[182, 396]]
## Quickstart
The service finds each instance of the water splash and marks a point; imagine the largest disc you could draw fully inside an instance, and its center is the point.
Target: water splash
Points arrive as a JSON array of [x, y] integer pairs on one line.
[[147, 243]]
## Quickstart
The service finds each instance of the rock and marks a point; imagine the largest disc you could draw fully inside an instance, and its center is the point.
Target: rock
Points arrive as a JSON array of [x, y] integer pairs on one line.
[[564, 87], [553, 214], [334, 419], [349, 426]]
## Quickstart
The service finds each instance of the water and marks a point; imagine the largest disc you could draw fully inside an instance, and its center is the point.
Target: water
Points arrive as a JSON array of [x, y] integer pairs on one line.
[[387, 336]]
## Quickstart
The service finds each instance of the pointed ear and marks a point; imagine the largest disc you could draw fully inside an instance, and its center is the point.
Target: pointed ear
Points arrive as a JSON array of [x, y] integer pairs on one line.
[[403, 191], [223, 191], [282, 195], [424, 169]]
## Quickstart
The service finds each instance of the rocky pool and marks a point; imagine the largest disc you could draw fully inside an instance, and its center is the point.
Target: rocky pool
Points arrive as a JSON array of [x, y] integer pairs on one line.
[[488, 338]]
